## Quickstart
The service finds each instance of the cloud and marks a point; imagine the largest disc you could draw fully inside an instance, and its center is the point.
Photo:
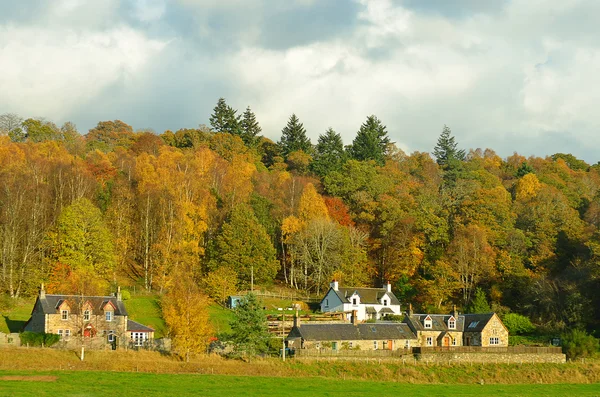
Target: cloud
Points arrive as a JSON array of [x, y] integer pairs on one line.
[[516, 75]]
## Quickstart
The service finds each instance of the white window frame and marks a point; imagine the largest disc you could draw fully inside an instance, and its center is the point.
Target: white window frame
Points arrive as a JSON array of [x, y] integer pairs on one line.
[[428, 324], [87, 315], [407, 344], [494, 340], [334, 346], [67, 333], [354, 302], [453, 341], [64, 315], [111, 336], [429, 341], [350, 345], [385, 302], [452, 323], [138, 338], [60, 333], [374, 345], [108, 315]]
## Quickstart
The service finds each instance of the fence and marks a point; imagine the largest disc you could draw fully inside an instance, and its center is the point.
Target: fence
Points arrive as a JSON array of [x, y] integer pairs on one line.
[[480, 349], [352, 353]]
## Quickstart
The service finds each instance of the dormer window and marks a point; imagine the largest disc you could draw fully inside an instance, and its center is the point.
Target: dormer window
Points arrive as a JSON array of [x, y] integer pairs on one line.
[[64, 314], [86, 315], [108, 315], [354, 301], [451, 323], [385, 302], [427, 323]]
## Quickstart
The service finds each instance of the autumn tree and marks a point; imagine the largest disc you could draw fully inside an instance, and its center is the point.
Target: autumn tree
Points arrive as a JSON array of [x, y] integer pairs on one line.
[[293, 138], [221, 283], [185, 311], [371, 141]]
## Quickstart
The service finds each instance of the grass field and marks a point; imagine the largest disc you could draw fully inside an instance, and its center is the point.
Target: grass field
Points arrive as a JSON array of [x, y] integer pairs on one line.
[[145, 309], [73, 383], [13, 319]]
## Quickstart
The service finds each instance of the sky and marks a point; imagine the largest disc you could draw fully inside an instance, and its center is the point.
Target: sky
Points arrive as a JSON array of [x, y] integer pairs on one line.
[[510, 75]]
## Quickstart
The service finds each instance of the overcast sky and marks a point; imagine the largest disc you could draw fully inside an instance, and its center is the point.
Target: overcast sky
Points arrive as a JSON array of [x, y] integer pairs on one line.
[[513, 75]]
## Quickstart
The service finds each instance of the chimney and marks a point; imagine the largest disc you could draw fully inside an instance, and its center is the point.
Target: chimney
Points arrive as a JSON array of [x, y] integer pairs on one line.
[[355, 317], [297, 320], [334, 284], [42, 292], [454, 312], [410, 311], [389, 286], [119, 297]]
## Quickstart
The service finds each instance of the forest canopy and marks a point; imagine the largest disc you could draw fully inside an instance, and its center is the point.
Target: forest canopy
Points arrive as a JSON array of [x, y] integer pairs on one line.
[[228, 206]]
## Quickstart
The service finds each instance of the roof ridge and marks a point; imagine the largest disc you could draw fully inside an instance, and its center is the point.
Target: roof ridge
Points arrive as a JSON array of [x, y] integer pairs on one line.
[[84, 296]]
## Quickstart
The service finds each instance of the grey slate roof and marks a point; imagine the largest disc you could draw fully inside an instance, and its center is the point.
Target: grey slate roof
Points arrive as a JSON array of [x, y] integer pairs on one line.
[[137, 327], [439, 322], [476, 322], [333, 332], [50, 303], [368, 296]]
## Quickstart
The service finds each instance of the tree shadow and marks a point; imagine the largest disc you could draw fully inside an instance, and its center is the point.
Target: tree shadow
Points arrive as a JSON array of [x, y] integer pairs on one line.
[[14, 326]]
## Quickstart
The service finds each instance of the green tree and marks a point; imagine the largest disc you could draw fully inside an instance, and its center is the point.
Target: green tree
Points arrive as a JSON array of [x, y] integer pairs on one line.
[[446, 151], [83, 241], [250, 333], [517, 324], [293, 138], [479, 304], [371, 141], [578, 344], [329, 153], [224, 119], [37, 130], [245, 247], [11, 125], [250, 128]]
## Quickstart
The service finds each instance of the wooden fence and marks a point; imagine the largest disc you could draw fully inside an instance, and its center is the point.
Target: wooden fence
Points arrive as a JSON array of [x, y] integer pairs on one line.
[[480, 349]]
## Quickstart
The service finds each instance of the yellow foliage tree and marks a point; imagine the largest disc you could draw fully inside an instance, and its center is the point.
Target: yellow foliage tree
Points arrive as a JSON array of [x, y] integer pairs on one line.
[[185, 311], [312, 206], [527, 187]]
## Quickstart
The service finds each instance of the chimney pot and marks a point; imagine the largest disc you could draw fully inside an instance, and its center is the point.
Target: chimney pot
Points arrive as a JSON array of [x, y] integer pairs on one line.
[[42, 292], [334, 285], [410, 309], [119, 297], [389, 286], [297, 320]]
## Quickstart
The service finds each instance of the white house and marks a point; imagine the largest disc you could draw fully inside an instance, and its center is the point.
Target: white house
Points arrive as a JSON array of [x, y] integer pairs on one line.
[[369, 303]]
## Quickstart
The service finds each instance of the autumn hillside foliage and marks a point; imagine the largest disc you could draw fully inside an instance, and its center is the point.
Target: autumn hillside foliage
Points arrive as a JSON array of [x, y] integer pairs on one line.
[[85, 213]]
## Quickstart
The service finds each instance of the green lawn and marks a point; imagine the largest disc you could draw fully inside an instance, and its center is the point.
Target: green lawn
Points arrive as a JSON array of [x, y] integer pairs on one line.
[[220, 318], [14, 318], [145, 309], [64, 383]]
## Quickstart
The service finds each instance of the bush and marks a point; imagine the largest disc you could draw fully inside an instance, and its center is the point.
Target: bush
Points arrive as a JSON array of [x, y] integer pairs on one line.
[[518, 324], [38, 339], [125, 295], [578, 344]]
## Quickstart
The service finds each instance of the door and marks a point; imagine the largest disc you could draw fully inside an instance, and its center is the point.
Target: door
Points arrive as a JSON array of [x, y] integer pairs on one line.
[[468, 341], [446, 341], [390, 345]]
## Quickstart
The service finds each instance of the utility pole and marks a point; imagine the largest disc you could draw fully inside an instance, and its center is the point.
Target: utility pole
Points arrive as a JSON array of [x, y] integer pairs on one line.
[[283, 337], [252, 278]]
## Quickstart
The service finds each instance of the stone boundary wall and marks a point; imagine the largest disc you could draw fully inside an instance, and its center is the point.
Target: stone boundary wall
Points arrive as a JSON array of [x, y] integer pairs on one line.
[[496, 358], [10, 339]]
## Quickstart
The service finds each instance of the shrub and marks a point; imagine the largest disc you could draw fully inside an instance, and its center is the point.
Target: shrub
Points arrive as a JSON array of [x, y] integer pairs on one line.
[[393, 317], [38, 339], [518, 324], [125, 295], [578, 344]]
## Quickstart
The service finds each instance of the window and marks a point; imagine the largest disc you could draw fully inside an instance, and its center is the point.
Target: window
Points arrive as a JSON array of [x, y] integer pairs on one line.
[[354, 302], [326, 302], [494, 341], [453, 341], [317, 345], [86, 315], [350, 345], [108, 316], [407, 344], [64, 314], [374, 345], [473, 324], [138, 338], [385, 302], [429, 341], [60, 333], [111, 336], [67, 333], [452, 323], [427, 322], [333, 345]]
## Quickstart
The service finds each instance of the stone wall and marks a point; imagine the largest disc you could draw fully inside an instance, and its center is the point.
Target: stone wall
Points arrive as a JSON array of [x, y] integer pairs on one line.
[[9, 339], [504, 358], [361, 345]]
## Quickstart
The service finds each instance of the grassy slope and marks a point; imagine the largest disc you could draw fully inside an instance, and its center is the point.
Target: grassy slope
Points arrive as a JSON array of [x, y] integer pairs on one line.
[[135, 384], [145, 309], [13, 319]]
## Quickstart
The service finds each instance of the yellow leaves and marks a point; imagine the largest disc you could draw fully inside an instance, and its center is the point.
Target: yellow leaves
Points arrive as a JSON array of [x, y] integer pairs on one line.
[[312, 206], [290, 226], [527, 187]]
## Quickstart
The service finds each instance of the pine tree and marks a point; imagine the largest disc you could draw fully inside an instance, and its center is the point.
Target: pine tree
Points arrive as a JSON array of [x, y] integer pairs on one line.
[[330, 153], [224, 119], [370, 142], [249, 328], [250, 128], [479, 304], [293, 138], [446, 152]]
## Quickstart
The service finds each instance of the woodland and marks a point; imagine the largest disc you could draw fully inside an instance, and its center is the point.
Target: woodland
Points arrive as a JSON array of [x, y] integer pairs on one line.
[[213, 209]]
